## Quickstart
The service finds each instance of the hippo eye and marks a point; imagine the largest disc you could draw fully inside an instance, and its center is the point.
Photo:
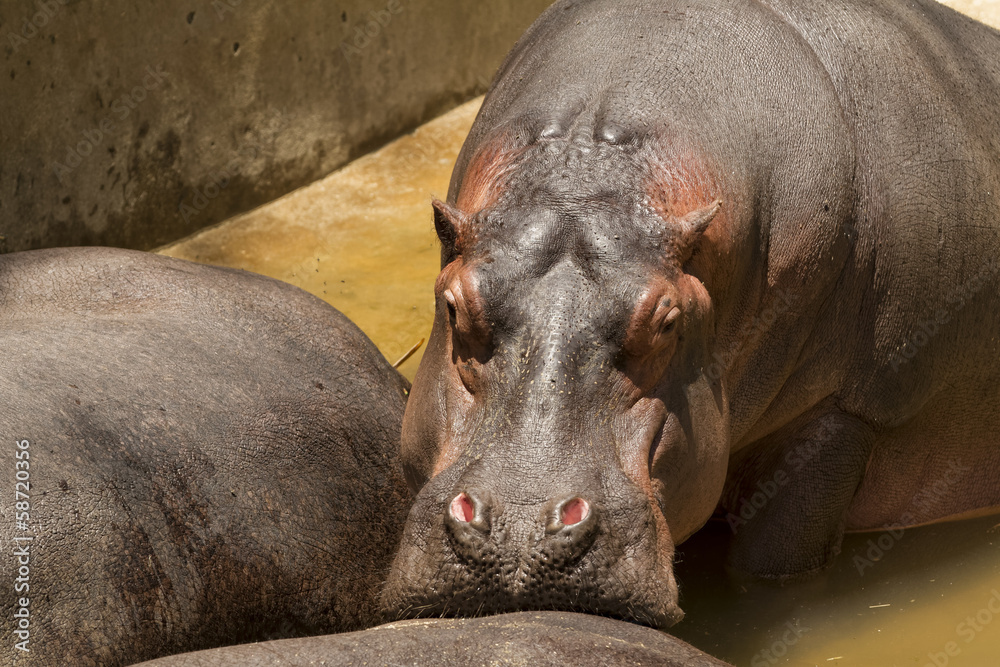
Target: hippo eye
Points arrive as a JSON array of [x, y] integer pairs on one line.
[[452, 308], [665, 317], [670, 319], [653, 324], [469, 329]]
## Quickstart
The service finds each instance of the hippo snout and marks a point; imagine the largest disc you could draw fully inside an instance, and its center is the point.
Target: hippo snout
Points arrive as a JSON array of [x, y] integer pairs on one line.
[[558, 532], [480, 548]]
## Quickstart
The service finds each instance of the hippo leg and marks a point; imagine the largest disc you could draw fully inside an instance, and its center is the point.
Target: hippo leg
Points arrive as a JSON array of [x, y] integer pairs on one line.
[[791, 492]]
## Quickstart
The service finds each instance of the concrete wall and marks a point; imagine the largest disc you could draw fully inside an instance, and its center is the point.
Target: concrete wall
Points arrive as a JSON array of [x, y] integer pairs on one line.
[[134, 123]]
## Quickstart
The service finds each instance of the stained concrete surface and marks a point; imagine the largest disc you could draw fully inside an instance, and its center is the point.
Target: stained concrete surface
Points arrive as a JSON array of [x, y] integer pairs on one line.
[[135, 123]]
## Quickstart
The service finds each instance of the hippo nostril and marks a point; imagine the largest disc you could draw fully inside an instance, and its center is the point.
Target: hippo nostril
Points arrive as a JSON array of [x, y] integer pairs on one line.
[[574, 511], [571, 514], [467, 519], [462, 509]]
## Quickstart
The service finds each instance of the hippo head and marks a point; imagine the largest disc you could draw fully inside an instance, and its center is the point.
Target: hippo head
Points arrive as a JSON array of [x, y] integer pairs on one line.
[[562, 430]]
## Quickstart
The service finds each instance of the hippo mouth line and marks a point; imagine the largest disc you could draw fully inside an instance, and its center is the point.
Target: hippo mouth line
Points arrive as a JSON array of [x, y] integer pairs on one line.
[[500, 604], [496, 591]]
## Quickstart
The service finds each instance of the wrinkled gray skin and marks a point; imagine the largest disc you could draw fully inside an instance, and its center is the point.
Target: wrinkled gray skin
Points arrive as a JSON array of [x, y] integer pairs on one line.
[[725, 254], [526, 639], [213, 457]]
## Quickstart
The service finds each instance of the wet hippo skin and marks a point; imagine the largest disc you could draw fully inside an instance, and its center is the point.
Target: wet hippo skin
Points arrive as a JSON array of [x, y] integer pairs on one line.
[[213, 457], [526, 638], [700, 256]]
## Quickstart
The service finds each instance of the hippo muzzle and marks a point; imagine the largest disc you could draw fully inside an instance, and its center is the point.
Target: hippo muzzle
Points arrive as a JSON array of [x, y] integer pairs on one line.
[[479, 542]]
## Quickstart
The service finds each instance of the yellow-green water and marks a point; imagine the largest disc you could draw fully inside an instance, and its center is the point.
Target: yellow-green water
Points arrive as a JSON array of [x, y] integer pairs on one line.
[[363, 240], [891, 600]]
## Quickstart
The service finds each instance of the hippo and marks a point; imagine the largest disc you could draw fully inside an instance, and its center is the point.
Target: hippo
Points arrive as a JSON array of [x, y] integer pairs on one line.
[[522, 639], [204, 456], [732, 258]]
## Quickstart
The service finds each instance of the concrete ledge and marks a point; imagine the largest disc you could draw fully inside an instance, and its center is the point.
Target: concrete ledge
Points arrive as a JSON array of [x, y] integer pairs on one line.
[[135, 124]]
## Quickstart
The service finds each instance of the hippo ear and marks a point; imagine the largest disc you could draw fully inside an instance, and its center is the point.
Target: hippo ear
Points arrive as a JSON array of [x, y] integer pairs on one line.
[[693, 225], [449, 223]]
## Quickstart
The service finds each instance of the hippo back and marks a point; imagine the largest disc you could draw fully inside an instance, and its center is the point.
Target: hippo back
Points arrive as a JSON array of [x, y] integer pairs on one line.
[[213, 456], [525, 639]]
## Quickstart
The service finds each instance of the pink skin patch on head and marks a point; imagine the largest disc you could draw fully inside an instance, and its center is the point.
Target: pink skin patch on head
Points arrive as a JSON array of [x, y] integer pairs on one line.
[[487, 173], [575, 511], [679, 182], [461, 508]]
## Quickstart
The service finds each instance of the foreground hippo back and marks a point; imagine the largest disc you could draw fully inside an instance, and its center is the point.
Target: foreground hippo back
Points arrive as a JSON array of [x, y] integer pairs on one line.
[[213, 457], [527, 639], [686, 255]]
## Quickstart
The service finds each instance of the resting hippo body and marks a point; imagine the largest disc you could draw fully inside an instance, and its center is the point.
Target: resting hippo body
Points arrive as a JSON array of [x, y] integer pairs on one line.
[[725, 254], [531, 639], [212, 458]]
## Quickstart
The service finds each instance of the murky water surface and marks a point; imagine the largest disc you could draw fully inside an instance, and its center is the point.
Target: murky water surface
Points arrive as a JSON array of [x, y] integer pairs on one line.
[[893, 599], [363, 240]]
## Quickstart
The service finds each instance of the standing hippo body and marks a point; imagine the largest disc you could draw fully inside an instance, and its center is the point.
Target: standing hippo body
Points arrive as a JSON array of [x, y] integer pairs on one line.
[[210, 457], [698, 255]]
